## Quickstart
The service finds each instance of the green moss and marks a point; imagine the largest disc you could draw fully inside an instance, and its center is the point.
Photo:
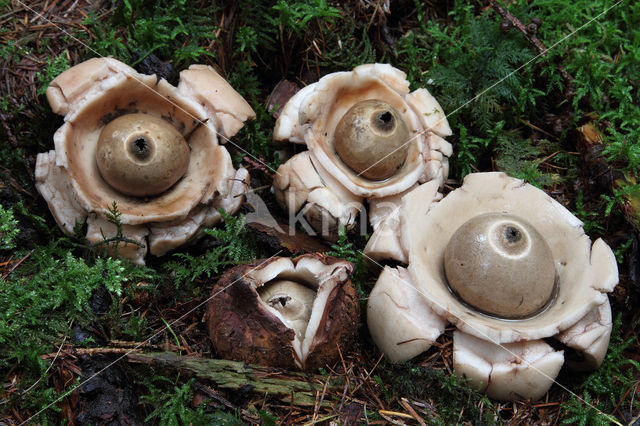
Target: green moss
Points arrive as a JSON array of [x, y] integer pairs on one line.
[[8, 229], [58, 65], [53, 292]]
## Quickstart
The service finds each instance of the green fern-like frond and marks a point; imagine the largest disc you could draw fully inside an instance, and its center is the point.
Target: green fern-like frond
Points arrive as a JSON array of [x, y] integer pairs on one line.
[[234, 245]]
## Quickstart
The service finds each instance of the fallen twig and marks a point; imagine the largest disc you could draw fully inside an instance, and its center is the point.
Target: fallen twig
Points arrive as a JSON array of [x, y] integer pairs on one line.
[[15, 265], [411, 411]]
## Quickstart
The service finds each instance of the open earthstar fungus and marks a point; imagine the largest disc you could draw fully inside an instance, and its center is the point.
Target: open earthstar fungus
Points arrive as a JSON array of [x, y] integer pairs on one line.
[[146, 145], [282, 312], [368, 137], [499, 343]]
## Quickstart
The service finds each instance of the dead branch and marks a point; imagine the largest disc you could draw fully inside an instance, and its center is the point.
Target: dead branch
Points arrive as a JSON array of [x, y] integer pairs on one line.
[[232, 375]]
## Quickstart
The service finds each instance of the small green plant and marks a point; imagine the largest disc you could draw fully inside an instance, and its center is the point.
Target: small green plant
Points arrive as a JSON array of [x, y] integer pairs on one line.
[[471, 72], [8, 50], [36, 221], [171, 29], [385, 392], [347, 250], [172, 405], [347, 44], [581, 412], [608, 387], [588, 218], [622, 250], [278, 28], [37, 308], [295, 16], [110, 244], [344, 248], [621, 196], [41, 302], [7, 106], [521, 158], [56, 67], [8, 229], [107, 41], [268, 419], [468, 60], [235, 245], [136, 327], [255, 137], [113, 216], [247, 39], [468, 150]]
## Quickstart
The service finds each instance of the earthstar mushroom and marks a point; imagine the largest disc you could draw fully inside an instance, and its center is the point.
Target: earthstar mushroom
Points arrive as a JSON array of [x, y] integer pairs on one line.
[[282, 312], [505, 357], [368, 137], [146, 145]]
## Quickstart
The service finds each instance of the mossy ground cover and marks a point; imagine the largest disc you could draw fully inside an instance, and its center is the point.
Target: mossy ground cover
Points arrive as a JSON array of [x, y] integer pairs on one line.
[[566, 121]]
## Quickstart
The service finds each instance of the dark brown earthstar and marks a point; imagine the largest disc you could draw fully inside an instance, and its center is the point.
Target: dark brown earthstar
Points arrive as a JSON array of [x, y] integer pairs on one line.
[[257, 312]]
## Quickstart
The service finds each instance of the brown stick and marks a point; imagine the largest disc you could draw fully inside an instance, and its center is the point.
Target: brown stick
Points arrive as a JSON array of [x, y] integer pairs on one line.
[[531, 36], [257, 165], [411, 411], [15, 265]]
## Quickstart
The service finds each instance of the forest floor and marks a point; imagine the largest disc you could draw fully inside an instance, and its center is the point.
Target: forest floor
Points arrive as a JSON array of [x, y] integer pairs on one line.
[[546, 91]]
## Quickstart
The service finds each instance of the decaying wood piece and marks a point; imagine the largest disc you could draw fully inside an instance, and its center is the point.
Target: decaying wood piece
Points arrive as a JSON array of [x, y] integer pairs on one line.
[[293, 242], [297, 388]]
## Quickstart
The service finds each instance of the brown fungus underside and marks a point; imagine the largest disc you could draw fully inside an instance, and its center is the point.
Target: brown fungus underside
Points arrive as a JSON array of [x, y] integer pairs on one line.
[[243, 327]]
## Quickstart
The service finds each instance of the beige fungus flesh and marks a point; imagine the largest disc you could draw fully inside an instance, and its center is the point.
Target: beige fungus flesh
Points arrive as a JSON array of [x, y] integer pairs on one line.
[[585, 271], [350, 169], [313, 114], [293, 302], [193, 179]]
